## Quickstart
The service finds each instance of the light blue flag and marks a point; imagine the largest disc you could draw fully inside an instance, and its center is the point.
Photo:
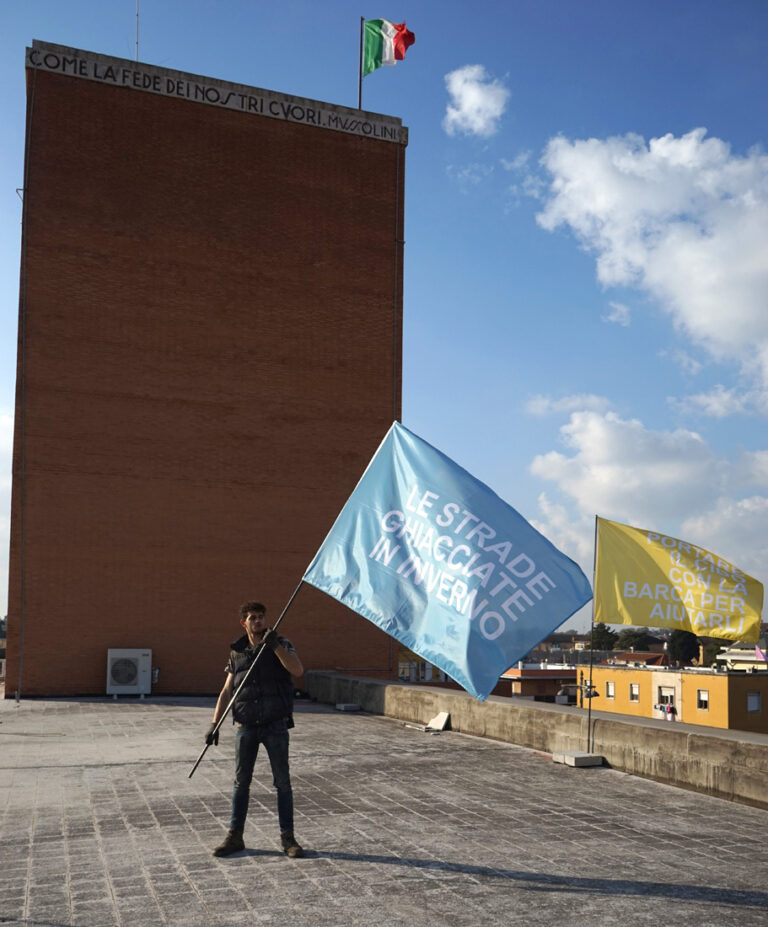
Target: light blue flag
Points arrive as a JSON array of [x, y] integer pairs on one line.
[[436, 559]]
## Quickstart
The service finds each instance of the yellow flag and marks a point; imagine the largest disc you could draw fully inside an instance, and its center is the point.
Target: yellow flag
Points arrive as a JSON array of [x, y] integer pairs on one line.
[[650, 580]]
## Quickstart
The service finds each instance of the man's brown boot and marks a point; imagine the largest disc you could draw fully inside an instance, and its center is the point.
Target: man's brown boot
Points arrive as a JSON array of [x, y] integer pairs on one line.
[[290, 847], [233, 843]]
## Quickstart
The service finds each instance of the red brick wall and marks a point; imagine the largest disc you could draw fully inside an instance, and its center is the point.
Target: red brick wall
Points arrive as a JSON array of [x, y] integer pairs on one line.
[[212, 351]]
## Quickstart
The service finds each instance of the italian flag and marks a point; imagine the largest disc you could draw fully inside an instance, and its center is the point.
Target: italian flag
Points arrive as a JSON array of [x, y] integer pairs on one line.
[[384, 43]]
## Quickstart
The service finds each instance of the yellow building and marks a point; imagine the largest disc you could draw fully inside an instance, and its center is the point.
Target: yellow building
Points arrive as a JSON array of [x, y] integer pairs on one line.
[[694, 696]]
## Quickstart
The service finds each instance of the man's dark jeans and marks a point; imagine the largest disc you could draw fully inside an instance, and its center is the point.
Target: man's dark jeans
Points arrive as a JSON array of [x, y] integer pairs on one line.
[[274, 736]]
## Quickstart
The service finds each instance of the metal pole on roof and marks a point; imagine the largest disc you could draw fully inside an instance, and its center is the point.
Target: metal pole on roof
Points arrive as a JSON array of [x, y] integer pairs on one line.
[[360, 66], [137, 30], [591, 650]]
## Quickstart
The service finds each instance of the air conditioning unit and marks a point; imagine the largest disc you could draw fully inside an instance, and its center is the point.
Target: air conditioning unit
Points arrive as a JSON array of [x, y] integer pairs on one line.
[[129, 671]]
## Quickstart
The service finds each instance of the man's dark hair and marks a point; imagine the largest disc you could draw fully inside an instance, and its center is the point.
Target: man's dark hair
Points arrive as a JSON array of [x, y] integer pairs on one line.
[[249, 607]]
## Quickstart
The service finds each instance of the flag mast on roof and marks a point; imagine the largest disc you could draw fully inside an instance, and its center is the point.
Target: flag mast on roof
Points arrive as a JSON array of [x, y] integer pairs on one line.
[[381, 42]]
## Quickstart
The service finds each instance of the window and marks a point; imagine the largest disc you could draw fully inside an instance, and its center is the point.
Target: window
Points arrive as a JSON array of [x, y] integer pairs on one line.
[[702, 699], [610, 690], [404, 671], [634, 691], [666, 695], [754, 701]]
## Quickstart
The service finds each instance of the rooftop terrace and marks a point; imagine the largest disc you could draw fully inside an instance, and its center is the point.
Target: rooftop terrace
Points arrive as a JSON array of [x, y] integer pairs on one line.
[[101, 826]]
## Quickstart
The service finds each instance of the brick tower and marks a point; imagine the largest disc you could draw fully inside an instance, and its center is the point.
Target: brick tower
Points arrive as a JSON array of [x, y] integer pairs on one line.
[[209, 354]]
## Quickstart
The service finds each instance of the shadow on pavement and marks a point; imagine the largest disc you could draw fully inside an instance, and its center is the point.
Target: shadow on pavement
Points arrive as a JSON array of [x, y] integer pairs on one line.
[[553, 883]]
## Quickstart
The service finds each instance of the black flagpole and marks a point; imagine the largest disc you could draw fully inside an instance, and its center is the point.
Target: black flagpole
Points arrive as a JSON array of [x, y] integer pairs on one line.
[[591, 649], [245, 679]]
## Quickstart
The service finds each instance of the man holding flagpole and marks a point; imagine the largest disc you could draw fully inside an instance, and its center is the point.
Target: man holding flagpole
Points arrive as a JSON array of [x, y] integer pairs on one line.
[[263, 713], [430, 555]]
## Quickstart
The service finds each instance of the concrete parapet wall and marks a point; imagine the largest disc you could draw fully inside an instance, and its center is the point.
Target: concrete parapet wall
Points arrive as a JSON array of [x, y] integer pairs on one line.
[[735, 770]]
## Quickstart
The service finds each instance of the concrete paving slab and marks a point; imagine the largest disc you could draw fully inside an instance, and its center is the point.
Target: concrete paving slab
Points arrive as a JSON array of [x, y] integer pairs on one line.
[[100, 826]]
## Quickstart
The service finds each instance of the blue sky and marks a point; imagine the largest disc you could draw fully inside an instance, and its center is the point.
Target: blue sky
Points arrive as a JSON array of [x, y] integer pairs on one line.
[[586, 263]]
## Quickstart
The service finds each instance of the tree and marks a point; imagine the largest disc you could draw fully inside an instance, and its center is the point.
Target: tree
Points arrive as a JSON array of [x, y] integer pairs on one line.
[[632, 639], [602, 637], [712, 647], [683, 647]]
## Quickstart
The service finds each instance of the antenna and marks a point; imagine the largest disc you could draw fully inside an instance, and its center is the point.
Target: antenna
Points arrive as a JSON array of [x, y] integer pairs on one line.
[[137, 30]]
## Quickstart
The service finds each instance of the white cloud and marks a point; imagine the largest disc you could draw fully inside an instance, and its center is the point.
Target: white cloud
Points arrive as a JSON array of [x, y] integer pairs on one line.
[[477, 101], [573, 537], [720, 402], [736, 531], [518, 163], [621, 469], [534, 186], [755, 468], [544, 405], [688, 364], [469, 174], [620, 314], [668, 481], [680, 218]]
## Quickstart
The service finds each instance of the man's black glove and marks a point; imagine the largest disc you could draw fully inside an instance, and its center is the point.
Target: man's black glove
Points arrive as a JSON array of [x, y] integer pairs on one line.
[[210, 738], [271, 639]]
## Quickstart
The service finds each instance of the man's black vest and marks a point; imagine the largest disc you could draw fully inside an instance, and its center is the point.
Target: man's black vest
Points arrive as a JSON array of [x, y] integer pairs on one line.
[[268, 694]]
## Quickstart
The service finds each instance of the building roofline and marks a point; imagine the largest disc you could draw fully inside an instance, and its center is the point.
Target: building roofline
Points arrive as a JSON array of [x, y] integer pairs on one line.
[[195, 88]]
